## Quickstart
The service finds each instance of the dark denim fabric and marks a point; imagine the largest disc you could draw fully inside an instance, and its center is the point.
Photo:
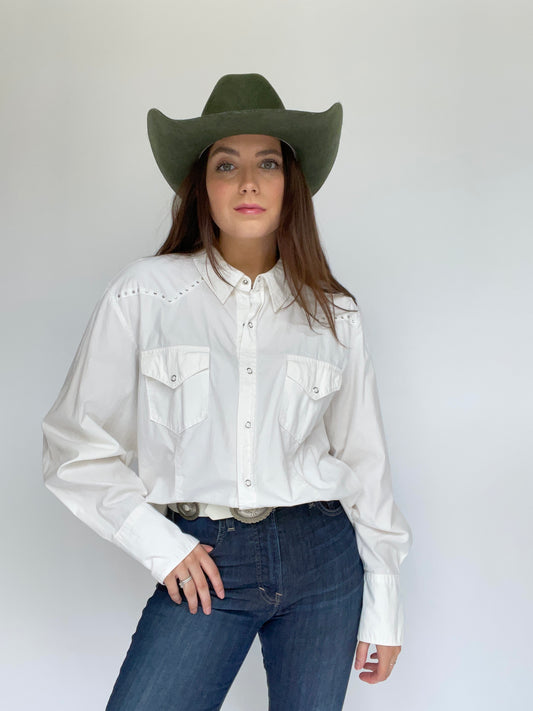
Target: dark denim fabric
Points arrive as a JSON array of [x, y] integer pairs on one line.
[[295, 578]]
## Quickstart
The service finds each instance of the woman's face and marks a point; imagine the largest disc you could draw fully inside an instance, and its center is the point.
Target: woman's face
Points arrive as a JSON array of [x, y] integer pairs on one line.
[[245, 170]]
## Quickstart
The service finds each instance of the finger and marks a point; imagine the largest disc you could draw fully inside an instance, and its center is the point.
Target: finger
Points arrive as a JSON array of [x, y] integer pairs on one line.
[[371, 675], [173, 589], [372, 666], [379, 671], [189, 588], [211, 568], [360, 654], [387, 658], [384, 667], [202, 590]]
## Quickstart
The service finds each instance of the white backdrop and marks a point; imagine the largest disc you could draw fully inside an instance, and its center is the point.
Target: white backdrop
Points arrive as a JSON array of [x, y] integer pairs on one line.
[[426, 218]]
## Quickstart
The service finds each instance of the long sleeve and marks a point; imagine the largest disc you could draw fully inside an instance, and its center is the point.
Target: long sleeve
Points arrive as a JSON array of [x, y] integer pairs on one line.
[[90, 441], [355, 431]]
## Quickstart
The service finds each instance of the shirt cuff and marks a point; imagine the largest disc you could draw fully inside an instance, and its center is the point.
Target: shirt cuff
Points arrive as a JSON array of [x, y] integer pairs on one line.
[[154, 540], [382, 614]]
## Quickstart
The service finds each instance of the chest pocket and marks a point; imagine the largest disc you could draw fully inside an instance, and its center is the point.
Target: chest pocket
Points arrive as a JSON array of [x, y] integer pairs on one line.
[[177, 385], [307, 391]]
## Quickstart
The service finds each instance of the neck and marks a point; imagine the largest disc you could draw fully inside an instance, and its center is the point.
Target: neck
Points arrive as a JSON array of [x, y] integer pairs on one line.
[[252, 257]]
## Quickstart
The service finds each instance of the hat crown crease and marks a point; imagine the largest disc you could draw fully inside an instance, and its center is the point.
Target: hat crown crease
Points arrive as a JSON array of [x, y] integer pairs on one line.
[[242, 92]]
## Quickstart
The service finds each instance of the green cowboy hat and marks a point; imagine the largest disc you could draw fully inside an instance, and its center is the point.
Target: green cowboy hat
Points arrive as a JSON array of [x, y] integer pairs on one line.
[[246, 103]]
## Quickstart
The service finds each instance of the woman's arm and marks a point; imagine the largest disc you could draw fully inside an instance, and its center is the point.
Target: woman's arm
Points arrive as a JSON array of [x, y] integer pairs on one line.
[[355, 430], [90, 440]]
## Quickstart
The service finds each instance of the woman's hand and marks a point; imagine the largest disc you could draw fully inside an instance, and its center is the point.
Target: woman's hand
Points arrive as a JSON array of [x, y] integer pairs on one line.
[[380, 670], [195, 564]]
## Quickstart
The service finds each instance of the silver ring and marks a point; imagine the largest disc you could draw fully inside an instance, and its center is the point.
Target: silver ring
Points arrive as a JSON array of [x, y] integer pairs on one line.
[[185, 580]]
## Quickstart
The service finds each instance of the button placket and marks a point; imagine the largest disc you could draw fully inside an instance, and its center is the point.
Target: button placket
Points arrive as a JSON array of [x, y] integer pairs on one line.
[[248, 305]]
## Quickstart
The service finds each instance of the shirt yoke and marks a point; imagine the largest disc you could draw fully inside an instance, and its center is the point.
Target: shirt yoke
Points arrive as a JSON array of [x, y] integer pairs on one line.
[[165, 277]]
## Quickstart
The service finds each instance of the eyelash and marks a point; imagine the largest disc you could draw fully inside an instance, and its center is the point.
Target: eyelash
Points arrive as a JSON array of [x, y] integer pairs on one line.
[[267, 160]]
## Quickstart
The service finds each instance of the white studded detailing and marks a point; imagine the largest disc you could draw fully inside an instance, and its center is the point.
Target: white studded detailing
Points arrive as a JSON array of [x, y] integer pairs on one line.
[[159, 294]]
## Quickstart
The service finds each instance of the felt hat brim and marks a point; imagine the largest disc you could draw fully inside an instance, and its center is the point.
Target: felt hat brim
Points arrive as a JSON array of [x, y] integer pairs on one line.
[[177, 143]]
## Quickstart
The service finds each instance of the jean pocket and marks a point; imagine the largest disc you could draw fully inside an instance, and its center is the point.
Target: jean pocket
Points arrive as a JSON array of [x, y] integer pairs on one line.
[[307, 391], [330, 508], [177, 385]]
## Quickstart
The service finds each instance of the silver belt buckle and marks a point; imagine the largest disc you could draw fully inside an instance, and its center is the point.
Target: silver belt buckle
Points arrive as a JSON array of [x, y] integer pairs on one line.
[[251, 515]]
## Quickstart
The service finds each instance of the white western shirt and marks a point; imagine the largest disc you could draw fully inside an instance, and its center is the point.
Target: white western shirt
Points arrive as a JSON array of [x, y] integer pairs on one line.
[[185, 388]]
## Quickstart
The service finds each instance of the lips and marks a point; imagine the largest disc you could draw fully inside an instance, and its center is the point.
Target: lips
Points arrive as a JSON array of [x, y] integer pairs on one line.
[[249, 209]]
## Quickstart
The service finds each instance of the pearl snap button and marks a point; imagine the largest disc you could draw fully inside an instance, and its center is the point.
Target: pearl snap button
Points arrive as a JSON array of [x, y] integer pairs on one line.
[[249, 370], [248, 424], [315, 389], [245, 281], [173, 378], [250, 324], [247, 482]]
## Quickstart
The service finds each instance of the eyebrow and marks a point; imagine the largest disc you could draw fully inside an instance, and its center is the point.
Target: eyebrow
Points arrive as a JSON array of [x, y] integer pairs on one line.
[[232, 151]]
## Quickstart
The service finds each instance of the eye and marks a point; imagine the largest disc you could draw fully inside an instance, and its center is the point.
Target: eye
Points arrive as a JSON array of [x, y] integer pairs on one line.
[[225, 167], [270, 164]]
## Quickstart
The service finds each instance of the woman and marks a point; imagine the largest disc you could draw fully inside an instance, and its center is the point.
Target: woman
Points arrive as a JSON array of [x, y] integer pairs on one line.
[[220, 423]]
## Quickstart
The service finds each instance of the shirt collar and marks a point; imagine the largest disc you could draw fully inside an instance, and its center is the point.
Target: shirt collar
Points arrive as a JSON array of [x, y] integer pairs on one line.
[[274, 278]]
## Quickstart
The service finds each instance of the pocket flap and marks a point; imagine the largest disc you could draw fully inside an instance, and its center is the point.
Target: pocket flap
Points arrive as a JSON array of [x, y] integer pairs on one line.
[[174, 364], [317, 377]]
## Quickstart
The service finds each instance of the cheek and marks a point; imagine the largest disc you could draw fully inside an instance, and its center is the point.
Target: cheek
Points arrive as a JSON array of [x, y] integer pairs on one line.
[[279, 195], [217, 199]]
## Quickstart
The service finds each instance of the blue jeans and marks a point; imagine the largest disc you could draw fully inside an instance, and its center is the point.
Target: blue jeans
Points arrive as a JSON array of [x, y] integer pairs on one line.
[[295, 578]]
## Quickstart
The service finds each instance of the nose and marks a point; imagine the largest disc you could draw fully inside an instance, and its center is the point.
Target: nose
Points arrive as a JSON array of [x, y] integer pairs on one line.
[[248, 182]]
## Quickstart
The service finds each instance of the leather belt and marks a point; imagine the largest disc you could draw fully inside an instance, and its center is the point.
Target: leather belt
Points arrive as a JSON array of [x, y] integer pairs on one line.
[[191, 510]]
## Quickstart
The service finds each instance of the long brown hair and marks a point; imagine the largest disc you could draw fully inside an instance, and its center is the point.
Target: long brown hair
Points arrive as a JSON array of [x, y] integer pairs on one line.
[[298, 241]]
